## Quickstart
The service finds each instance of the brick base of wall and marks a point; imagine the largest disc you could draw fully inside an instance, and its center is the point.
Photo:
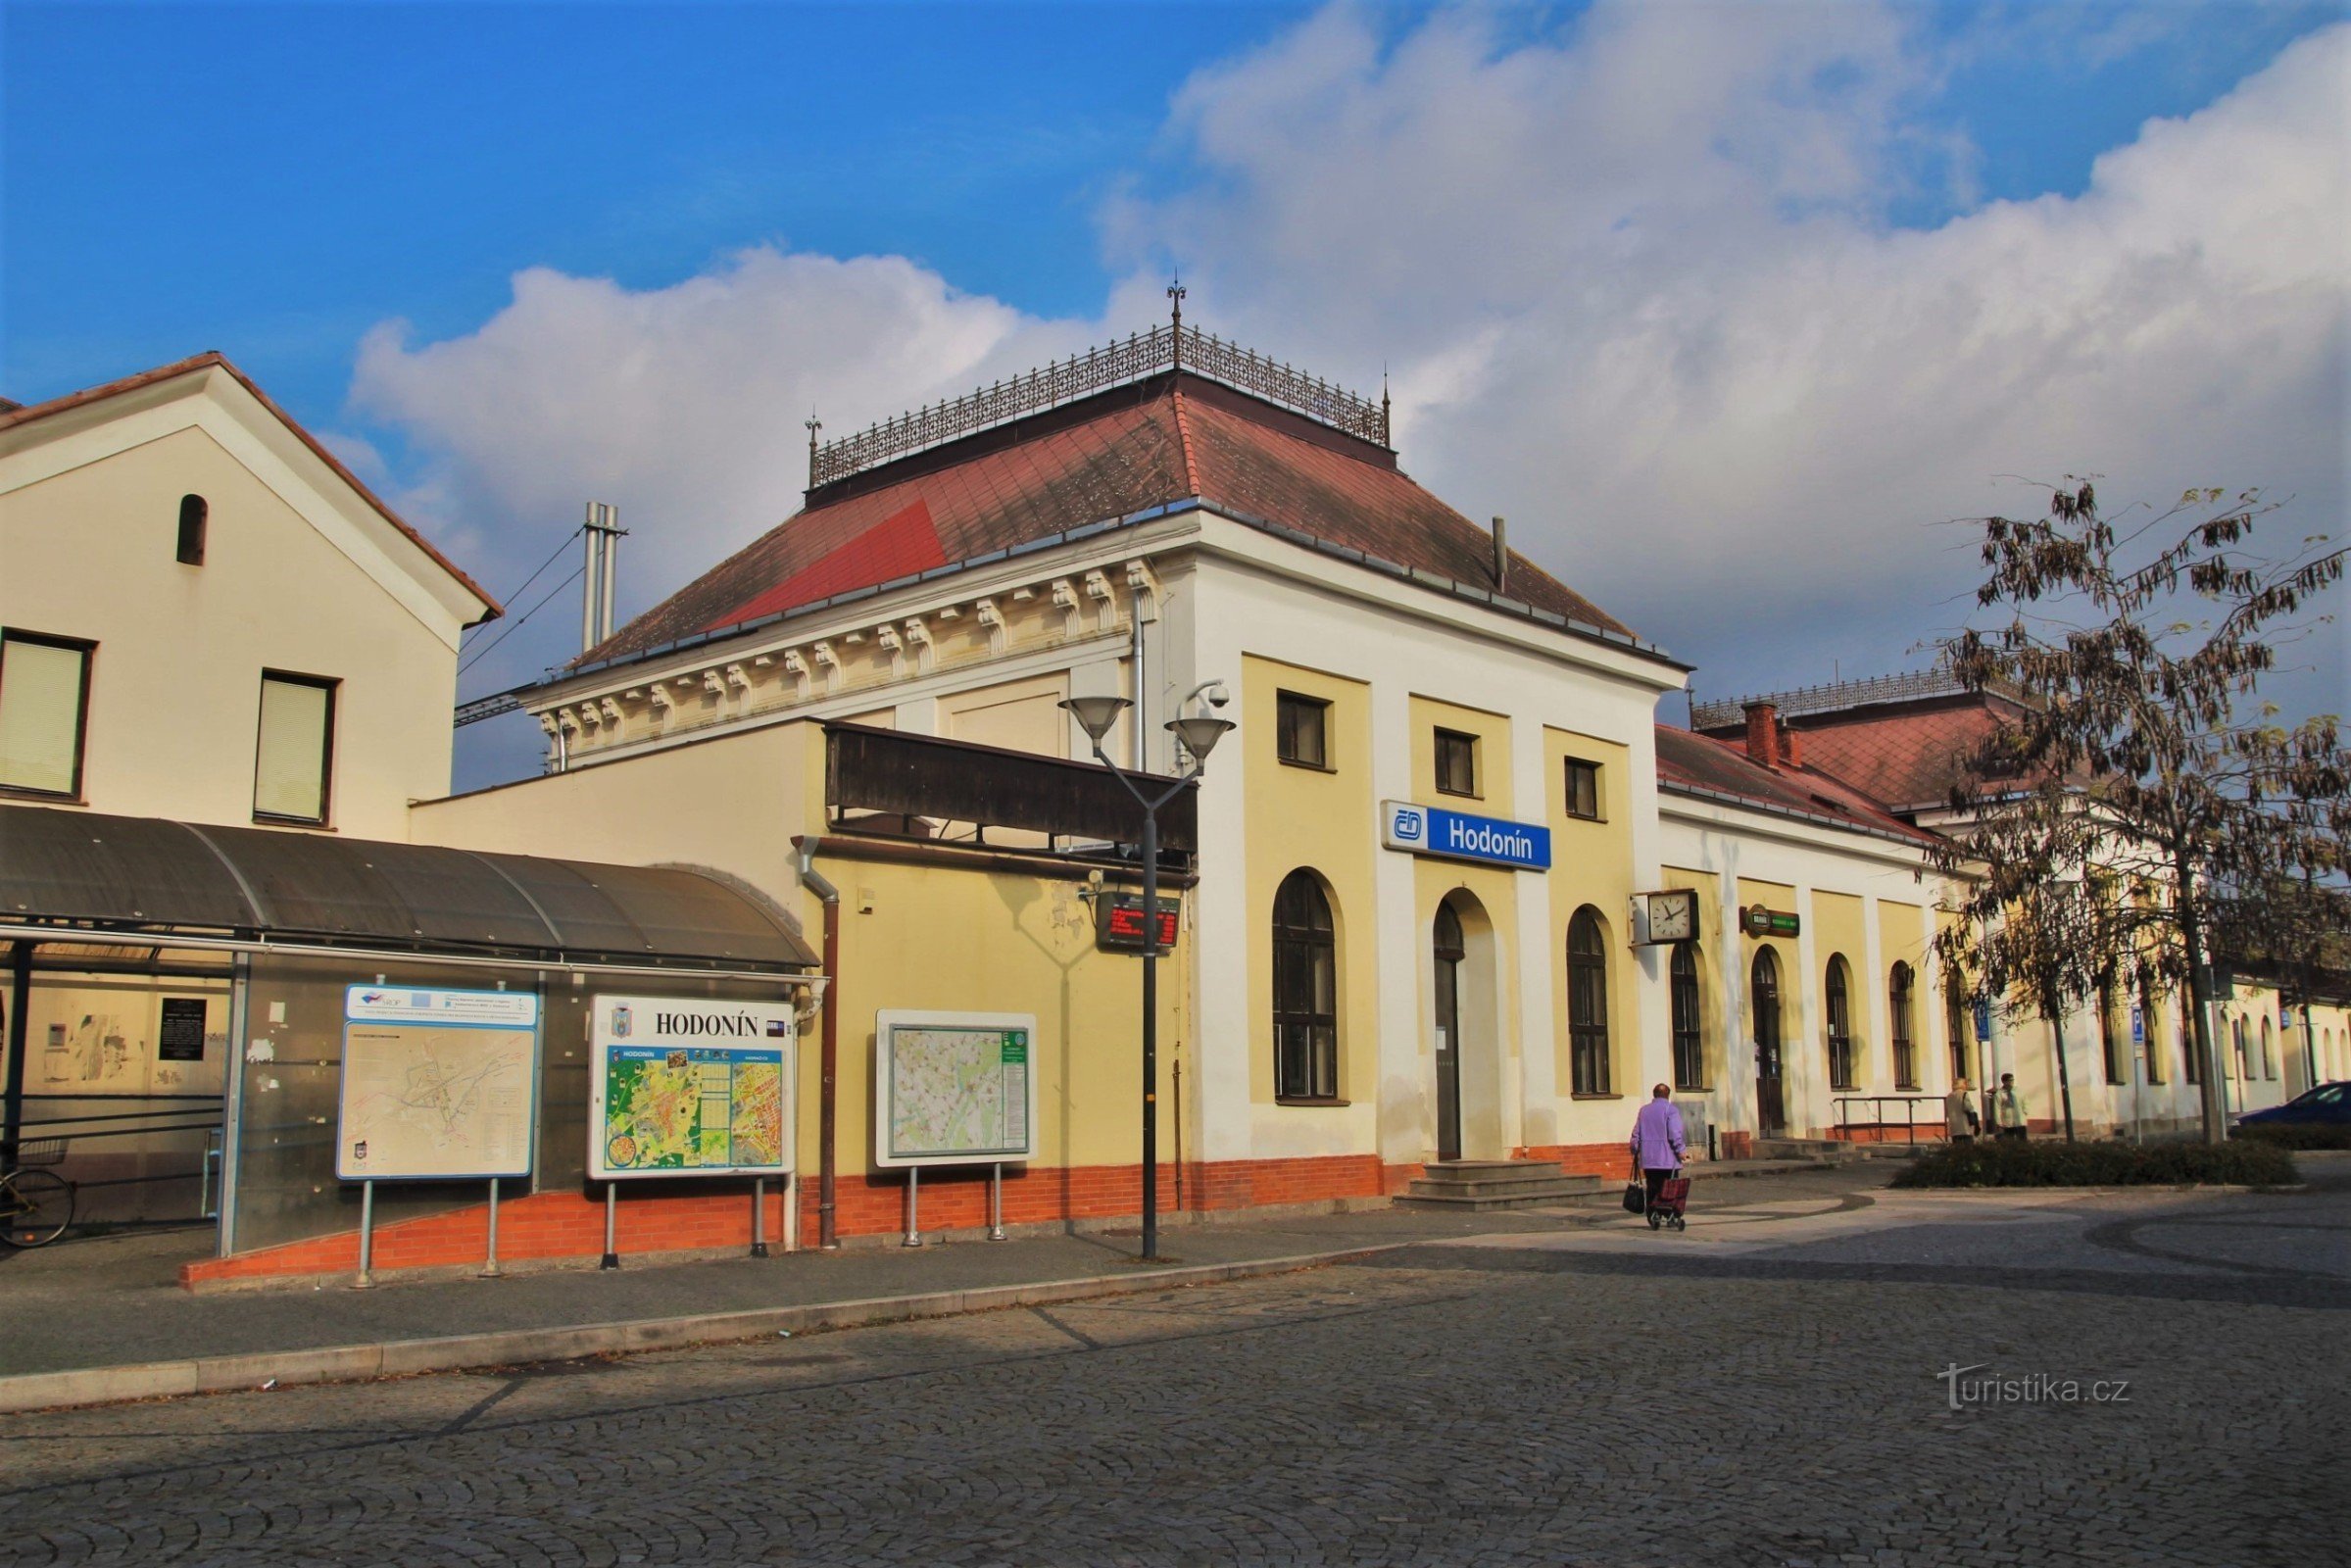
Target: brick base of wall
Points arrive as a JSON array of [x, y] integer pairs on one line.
[[1888, 1135], [1582, 1159], [668, 1217]]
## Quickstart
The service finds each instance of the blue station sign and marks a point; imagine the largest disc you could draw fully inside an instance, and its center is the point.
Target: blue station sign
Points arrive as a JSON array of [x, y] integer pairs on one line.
[[1458, 835]]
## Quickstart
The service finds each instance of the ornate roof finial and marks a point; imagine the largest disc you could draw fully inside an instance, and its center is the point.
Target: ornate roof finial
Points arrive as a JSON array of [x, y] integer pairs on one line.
[[814, 425], [1385, 426], [1175, 297]]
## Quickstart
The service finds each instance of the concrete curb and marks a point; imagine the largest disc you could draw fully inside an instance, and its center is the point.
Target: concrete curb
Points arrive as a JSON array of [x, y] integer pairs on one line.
[[349, 1363]]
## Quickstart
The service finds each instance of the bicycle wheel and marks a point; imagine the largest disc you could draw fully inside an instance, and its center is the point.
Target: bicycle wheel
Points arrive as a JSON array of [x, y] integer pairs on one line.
[[38, 1205]]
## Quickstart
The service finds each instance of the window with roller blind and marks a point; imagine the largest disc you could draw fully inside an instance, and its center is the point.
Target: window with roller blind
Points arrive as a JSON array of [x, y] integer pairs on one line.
[[293, 767], [44, 713]]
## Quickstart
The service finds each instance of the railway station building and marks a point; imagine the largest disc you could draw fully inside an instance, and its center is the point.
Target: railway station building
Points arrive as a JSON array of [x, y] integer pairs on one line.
[[1446, 900]]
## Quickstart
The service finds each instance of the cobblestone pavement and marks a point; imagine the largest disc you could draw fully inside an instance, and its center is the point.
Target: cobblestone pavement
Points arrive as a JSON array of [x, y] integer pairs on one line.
[[1763, 1389]]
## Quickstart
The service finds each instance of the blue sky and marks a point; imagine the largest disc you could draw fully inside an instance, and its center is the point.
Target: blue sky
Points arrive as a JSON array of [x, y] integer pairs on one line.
[[280, 182]]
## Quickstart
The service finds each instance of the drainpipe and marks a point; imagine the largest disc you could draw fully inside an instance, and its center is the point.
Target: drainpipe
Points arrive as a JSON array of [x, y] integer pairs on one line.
[[829, 1036]]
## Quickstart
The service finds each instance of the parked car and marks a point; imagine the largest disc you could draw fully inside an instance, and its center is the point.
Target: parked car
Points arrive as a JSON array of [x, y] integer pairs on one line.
[[2327, 1105]]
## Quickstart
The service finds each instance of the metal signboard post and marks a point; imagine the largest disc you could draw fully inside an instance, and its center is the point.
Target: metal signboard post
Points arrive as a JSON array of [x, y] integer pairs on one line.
[[953, 1089], [439, 1085], [681, 1087]]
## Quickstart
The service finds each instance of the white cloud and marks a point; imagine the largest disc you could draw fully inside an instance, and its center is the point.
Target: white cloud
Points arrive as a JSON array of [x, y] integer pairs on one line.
[[1638, 289], [681, 404], [1642, 300]]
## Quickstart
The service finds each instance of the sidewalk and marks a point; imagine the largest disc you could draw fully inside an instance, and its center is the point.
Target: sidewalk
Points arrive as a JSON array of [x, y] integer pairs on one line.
[[99, 1319]]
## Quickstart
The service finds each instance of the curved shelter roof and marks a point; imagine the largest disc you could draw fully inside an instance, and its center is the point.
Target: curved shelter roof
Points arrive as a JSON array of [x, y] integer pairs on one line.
[[80, 872]]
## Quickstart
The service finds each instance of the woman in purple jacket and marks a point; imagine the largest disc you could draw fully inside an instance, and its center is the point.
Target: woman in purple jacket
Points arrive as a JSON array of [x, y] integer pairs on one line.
[[1658, 1139]]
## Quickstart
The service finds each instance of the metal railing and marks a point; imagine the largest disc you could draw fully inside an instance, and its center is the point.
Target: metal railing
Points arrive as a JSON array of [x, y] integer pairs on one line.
[[187, 1114], [1829, 697], [1844, 1125], [1121, 361]]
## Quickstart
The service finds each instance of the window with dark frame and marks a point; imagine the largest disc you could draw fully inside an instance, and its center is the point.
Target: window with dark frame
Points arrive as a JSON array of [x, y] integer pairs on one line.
[[293, 767], [1587, 1004], [1301, 726], [1959, 1025], [1456, 762], [1689, 1040], [1584, 789], [1898, 1005], [44, 712], [2114, 1036], [195, 514], [1305, 991], [1840, 1026], [2192, 1066], [2151, 1030]]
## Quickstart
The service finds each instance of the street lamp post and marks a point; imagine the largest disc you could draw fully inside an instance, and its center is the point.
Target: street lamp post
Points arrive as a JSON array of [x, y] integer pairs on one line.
[[1095, 715]]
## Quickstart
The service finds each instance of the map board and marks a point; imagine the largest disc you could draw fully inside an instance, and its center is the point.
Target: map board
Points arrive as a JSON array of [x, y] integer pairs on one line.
[[437, 1084], [954, 1088], [690, 1088]]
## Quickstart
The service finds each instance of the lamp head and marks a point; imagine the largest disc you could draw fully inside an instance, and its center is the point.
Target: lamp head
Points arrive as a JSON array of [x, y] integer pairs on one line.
[[1096, 715], [1199, 735]]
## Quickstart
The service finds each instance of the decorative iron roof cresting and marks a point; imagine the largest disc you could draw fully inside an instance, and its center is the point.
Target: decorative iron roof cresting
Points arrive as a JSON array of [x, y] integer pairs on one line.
[[1163, 348]]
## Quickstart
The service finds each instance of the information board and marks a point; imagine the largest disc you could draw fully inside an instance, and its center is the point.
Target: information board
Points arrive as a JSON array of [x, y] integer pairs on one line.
[[690, 1088], [437, 1084], [954, 1088], [179, 1035]]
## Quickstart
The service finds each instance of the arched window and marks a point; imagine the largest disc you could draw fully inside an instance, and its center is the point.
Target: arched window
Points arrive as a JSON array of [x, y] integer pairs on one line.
[[2268, 1057], [1897, 1015], [2236, 1036], [1763, 987], [1959, 1028], [1305, 991], [2113, 1033], [194, 513], [2150, 1031], [1841, 1025], [2191, 1064], [1690, 1039], [1587, 1003]]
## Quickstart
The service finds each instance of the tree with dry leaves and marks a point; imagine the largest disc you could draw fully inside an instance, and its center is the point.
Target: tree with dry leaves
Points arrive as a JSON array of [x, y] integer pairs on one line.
[[2142, 781]]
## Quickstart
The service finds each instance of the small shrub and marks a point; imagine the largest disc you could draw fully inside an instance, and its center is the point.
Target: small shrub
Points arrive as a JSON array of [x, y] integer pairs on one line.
[[2296, 1135], [2005, 1163]]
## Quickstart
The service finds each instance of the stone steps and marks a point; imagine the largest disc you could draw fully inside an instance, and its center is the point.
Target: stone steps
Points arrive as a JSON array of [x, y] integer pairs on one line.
[[1819, 1151], [1480, 1185]]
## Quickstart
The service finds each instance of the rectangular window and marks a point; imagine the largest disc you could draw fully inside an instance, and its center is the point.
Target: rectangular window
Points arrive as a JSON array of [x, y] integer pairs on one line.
[[1301, 723], [1584, 789], [1456, 762], [44, 712], [294, 761]]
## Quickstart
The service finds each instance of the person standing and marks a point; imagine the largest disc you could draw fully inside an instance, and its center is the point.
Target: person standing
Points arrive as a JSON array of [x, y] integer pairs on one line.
[[1960, 1120], [2008, 1108], [1658, 1139]]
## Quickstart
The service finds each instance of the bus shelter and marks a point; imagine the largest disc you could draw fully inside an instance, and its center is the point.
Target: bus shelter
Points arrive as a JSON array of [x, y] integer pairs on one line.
[[180, 998]]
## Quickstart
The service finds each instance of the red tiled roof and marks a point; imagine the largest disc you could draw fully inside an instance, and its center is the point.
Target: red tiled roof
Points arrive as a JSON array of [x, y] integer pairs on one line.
[[1172, 438], [16, 415], [1907, 754], [1723, 767]]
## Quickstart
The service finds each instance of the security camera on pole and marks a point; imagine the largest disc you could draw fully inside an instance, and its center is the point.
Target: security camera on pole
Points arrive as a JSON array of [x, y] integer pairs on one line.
[[1095, 715]]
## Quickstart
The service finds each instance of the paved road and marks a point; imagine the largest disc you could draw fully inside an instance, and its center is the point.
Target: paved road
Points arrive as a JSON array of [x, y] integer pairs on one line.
[[1761, 1390]]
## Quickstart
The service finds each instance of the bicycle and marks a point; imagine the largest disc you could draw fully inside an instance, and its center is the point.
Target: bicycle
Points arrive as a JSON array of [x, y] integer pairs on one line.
[[36, 1205]]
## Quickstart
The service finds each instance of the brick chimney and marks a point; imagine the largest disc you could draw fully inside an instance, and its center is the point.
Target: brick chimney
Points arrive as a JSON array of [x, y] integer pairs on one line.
[[1791, 751], [1763, 734]]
